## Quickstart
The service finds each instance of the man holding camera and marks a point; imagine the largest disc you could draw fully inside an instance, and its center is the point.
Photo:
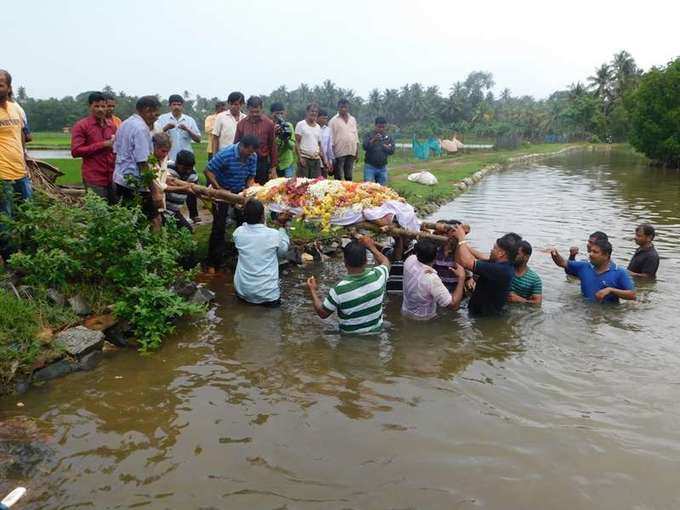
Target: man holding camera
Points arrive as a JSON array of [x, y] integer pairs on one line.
[[259, 126], [285, 141]]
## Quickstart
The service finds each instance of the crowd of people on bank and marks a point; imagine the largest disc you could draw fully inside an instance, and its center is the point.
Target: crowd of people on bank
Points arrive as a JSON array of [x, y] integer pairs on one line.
[[247, 148]]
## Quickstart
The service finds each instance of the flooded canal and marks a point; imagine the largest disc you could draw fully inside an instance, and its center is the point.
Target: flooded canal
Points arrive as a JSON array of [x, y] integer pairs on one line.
[[571, 406]]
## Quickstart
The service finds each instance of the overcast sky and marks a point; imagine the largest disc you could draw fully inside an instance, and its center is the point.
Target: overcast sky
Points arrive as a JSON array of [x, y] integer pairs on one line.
[[212, 47]]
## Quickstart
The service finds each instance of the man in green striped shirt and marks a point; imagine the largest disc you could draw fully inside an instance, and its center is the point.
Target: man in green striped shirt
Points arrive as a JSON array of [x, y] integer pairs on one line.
[[526, 286], [358, 297]]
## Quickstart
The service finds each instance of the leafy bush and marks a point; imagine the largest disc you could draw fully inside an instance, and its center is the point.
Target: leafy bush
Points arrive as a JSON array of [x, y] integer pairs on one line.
[[66, 246], [18, 331], [654, 110]]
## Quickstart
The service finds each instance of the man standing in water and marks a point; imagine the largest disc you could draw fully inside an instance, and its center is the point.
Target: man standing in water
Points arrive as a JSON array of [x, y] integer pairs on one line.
[[601, 279], [423, 289], [526, 285], [256, 279], [573, 251], [358, 297], [645, 262], [495, 275]]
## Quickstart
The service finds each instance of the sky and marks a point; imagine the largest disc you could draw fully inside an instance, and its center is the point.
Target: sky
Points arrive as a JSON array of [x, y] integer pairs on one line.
[[212, 47]]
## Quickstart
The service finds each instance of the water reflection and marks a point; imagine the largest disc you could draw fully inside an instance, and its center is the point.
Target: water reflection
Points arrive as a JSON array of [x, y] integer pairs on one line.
[[570, 406]]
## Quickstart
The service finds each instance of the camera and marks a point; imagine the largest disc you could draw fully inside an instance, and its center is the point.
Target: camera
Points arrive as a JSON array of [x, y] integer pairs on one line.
[[285, 129]]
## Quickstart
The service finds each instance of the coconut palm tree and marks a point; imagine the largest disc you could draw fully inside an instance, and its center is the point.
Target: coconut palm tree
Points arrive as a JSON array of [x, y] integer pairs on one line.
[[601, 81]]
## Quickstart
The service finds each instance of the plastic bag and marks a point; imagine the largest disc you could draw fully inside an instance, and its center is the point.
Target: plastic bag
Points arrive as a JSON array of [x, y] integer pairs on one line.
[[423, 177]]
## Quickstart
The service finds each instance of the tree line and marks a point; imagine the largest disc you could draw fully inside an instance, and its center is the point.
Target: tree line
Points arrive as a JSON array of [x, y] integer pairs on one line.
[[594, 109]]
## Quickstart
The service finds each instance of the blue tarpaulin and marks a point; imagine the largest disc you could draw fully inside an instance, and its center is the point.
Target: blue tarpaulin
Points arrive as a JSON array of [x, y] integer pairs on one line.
[[422, 150]]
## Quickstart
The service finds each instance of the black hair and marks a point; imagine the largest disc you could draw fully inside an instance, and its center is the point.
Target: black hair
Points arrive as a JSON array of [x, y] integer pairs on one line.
[[253, 212], [220, 104], [355, 254], [524, 247], [323, 113], [426, 251], [185, 158], [145, 102], [380, 120], [598, 235], [8, 77], [604, 245], [310, 106], [254, 102], [450, 222], [108, 96], [276, 107], [95, 97], [509, 243], [250, 141], [236, 96], [175, 98], [646, 229], [343, 102]]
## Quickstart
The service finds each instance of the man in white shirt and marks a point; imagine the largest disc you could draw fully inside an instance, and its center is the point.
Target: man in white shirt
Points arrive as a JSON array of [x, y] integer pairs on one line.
[[224, 129], [345, 141], [181, 128], [309, 151], [326, 142], [256, 279], [423, 288]]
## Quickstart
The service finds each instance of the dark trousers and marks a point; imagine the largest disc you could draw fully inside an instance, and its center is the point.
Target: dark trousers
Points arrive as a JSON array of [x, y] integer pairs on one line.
[[182, 222], [343, 167], [311, 170], [262, 172], [108, 193], [217, 241], [130, 197], [12, 193], [192, 205]]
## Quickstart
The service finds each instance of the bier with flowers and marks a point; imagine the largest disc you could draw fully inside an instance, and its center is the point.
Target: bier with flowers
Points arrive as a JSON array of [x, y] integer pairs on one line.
[[333, 202]]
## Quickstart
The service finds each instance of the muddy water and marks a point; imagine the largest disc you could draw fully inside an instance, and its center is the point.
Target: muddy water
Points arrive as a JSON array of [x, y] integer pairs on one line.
[[572, 406]]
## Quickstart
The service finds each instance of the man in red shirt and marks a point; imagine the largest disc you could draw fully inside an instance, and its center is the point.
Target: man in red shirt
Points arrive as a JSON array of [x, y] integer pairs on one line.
[[262, 128], [92, 139]]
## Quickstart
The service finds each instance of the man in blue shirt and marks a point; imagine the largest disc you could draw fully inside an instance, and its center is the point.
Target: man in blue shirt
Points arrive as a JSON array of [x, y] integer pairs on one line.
[[133, 147], [256, 279], [181, 128], [601, 279], [233, 168]]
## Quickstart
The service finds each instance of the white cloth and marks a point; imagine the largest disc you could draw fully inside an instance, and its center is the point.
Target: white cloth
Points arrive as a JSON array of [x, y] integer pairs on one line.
[[405, 214], [225, 128], [310, 138], [423, 177], [423, 290]]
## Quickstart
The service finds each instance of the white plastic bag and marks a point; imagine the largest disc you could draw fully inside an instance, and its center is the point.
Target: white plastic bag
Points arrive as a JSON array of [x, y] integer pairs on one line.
[[423, 177]]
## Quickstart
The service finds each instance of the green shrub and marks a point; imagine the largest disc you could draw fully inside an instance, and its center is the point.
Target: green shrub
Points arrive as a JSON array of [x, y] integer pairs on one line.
[[19, 327], [113, 248]]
